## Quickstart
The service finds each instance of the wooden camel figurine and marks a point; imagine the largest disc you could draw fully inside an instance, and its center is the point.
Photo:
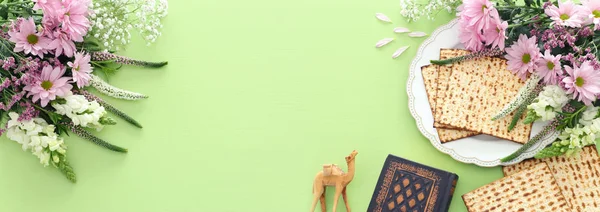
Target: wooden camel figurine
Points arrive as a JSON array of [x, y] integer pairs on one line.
[[332, 175]]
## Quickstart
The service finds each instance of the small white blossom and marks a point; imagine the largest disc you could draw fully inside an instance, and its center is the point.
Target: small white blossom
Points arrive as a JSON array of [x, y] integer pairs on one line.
[[550, 101], [81, 111], [35, 135], [588, 115]]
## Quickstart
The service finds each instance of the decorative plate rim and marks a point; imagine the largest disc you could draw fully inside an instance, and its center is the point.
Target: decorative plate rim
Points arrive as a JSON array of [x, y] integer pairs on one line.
[[433, 138]]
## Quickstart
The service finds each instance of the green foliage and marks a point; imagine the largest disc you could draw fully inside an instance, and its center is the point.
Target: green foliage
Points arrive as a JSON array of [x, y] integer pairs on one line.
[[571, 119], [64, 167], [107, 67], [556, 149], [517, 116], [107, 121]]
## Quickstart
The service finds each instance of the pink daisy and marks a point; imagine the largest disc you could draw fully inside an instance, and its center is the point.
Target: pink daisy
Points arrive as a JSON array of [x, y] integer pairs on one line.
[[48, 85], [592, 11], [62, 44], [549, 68], [583, 82], [495, 34], [74, 19], [522, 56], [81, 69], [470, 37], [28, 40], [478, 12], [566, 14]]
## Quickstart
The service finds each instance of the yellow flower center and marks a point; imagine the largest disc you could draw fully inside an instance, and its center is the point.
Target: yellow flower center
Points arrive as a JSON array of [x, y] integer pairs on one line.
[[526, 58], [579, 81], [483, 8], [550, 65], [564, 17], [32, 39], [46, 85]]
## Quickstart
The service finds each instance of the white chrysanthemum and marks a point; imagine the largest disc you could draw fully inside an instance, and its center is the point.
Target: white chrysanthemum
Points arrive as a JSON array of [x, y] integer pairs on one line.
[[35, 135], [81, 111]]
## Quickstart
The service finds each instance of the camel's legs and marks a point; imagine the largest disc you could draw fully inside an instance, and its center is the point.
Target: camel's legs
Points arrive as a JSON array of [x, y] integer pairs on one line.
[[345, 199], [338, 191], [317, 191], [323, 205]]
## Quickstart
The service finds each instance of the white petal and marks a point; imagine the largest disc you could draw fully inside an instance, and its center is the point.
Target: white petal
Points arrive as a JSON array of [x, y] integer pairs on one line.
[[383, 42], [417, 34], [383, 17], [401, 30], [399, 51]]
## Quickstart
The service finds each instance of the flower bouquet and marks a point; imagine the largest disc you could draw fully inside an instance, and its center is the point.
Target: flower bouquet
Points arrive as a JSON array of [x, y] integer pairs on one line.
[[51, 53], [552, 46]]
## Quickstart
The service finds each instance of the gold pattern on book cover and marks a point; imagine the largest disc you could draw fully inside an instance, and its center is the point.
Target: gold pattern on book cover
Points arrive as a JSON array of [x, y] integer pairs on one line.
[[408, 188]]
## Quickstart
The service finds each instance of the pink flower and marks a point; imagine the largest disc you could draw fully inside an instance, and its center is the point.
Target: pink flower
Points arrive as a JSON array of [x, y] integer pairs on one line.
[[495, 34], [28, 39], [522, 56], [73, 17], [46, 5], [478, 12], [592, 10], [583, 82], [549, 68], [62, 44], [566, 14], [81, 69], [470, 37], [50, 84]]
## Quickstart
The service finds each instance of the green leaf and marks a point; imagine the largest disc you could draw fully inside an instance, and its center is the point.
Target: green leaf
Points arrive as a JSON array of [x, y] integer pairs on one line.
[[528, 3], [4, 12]]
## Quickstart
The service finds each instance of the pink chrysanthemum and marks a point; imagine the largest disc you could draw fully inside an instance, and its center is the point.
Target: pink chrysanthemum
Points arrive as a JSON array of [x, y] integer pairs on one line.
[[74, 19], [28, 40], [583, 82], [49, 85], [522, 56], [495, 34], [566, 14], [549, 68], [592, 8], [478, 12], [470, 37], [62, 44], [81, 69]]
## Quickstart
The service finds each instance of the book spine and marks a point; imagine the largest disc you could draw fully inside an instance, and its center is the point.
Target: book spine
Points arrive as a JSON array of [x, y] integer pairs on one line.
[[453, 179], [448, 192]]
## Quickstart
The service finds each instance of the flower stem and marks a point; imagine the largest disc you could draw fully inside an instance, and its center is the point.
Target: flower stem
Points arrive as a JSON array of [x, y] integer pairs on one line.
[[547, 129], [472, 55], [88, 136]]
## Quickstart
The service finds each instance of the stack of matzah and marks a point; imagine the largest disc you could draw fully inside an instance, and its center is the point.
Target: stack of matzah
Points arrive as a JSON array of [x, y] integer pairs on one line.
[[533, 189], [577, 176], [465, 95]]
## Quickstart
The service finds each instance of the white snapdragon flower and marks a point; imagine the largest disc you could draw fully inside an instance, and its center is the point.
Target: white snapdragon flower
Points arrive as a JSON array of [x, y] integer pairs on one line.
[[35, 135], [81, 111], [550, 101], [588, 115]]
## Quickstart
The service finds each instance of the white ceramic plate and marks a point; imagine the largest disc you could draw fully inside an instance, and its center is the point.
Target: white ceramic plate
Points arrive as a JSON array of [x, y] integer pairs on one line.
[[482, 150]]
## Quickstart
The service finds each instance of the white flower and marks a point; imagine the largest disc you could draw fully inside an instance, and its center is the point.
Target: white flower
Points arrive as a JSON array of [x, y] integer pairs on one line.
[[543, 109], [35, 135], [550, 101], [588, 115], [81, 111]]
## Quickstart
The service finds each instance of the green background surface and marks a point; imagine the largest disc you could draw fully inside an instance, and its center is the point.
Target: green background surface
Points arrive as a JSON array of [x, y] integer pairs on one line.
[[256, 97]]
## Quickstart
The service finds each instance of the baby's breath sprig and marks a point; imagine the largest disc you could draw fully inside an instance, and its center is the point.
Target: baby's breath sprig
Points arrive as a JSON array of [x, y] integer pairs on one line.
[[113, 91]]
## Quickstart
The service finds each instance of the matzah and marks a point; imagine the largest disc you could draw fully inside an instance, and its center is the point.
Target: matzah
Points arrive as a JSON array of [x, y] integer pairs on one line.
[[442, 83], [430, 73], [477, 90], [577, 176], [529, 190]]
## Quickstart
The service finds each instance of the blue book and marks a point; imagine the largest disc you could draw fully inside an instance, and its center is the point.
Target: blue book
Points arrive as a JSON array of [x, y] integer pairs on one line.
[[409, 186]]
